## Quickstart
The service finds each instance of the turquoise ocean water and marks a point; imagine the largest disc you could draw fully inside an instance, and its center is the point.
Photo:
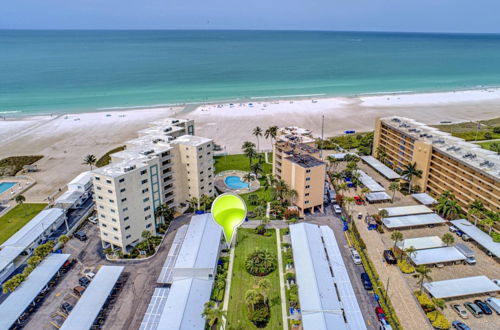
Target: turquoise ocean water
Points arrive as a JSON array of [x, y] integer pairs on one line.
[[74, 71]]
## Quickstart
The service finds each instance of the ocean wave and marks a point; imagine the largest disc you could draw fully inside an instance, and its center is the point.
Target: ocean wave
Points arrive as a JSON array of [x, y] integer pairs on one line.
[[9, 112], [284, 96]]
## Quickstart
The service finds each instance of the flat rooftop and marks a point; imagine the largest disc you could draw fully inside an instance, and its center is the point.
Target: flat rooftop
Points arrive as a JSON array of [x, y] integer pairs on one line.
[[424, 199], [191, 140], [380, 167], [406, 210], [369, 182], [17, 302], [413, 220], [470, 154], [155, 309], [305, 161], [436, 256], [295, 134], [460, 287], [421, 243]]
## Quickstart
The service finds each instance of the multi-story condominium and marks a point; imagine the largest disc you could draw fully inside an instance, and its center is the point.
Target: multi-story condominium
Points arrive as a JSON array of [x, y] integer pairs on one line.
[[447, 163], [164, 165], [297, 162]]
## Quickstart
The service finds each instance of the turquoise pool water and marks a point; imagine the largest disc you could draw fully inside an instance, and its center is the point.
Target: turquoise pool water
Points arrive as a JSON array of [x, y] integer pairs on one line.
[[4, 186], [234, 182]]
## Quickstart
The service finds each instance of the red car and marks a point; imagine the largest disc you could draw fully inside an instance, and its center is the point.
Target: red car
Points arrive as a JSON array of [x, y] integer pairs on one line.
[[380, 313], [358, 200]]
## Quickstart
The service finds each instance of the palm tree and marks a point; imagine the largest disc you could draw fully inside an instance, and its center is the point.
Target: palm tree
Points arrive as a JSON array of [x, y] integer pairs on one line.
[[364, 191], [249, 150], [194, 202], [488, 222], [204, 201], [146, 235], [383, 213], [348, 201], [256, 169], [264, 286], [449, 208], [342, 187], [89, 160], [251, 298], [439, 303], [291, 195], [448, 239], [409, 172], [260, 212], [381, 155], [422, 275], [280, 188], [248, 177], [409, 251], [396, 236], [394, 186], [271, 133], [212, 313], [253, 199], [20, 199], [257, 131]]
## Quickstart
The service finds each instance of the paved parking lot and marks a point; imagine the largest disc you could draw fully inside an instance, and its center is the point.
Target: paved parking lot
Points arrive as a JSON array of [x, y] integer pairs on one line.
[[401, 291]]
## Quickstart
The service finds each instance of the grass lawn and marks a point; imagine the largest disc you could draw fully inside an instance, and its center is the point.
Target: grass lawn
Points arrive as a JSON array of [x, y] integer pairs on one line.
[[237, 162], [243, 281], [488, 145], [267, 195], [106, 158], [11, 165], [13, 220], [467, 130]]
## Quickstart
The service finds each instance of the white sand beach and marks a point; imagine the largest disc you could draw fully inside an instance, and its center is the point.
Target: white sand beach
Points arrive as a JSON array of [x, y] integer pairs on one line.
[[65, 140]]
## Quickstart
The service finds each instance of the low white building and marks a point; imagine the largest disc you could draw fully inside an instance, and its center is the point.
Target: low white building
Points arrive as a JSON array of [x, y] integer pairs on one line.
[[82, 182], [79, 189]]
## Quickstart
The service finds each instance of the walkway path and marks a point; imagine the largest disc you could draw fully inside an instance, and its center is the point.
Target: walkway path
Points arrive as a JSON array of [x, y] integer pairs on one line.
[[282, 282], [227, 291]]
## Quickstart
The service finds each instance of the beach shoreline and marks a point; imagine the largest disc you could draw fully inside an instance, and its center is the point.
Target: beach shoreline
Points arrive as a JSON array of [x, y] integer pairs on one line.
[[64, 140]]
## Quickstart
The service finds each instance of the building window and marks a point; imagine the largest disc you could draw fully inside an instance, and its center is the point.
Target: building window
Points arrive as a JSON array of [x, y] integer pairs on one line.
[[148, 225], [145, 190], [112, 210], [98, 188], [125, 209], [111, 201], [103, 216], [308, 179], [308, 186], [99, 197], [146, 208], [113, 219], [307, 194], [104, 225], [116, 238], [201, 172], [145, 199], [124, 200], [125, 219], [147, 217], [101, 207], [128, 236], [122, 190], [308, 171], [144, 172], [144, 181], [97, 178], [200, 148], [306, 202], [110, 191], [121, 180], [108, 181], [105, 234], [127, 228], [115, 229]]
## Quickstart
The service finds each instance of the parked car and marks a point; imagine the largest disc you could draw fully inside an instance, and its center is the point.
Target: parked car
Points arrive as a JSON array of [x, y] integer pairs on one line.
[[453, 229], [389, 257], [459, 233], [358, 200], [460, 325], [380, 313], [80, 235], [384, 325], [367, 284], [337, 209], [93, 219], [466, 237], [78, 290], [355, 256], [496, 281], [84, 281], [460, 311], [484, 307], [360, 215], [474, 309], [90, 274], [494, 304], [66, 307]]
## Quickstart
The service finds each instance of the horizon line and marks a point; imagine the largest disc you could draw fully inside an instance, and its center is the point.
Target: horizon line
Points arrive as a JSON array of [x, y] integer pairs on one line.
[[250, 30]]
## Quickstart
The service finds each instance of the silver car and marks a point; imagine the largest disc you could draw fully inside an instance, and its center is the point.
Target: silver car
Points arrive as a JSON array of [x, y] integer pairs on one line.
[[460, 311]]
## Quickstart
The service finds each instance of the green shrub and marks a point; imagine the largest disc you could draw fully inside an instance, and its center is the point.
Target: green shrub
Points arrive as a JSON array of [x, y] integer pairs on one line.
[[495, 236], [106, 158], [405, 267], [260, 229], [424, 301], [11, 165], [260, 262], [439, 321], [260, 315]]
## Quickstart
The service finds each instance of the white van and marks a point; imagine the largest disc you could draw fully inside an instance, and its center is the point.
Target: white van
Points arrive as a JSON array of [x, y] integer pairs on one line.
[[355, 256], [494, 303]]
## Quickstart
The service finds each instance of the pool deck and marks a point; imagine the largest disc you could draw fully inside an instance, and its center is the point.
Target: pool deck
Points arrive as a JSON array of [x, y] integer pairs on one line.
[[22, 183], [221, 185]]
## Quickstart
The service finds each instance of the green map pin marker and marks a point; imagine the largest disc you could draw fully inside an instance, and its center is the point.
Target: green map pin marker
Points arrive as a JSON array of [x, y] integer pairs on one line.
[[229, 212]]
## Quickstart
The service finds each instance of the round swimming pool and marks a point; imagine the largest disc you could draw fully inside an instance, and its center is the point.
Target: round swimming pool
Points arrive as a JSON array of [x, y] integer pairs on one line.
[[234, 182]]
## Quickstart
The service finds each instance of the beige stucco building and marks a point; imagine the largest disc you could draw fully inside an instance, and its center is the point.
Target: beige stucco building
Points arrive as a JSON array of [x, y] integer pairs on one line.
[[447, 163], [166, 164], [296, 161]]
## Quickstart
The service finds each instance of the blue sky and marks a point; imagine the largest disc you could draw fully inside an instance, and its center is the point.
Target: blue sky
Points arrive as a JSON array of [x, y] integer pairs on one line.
[[472, 16]]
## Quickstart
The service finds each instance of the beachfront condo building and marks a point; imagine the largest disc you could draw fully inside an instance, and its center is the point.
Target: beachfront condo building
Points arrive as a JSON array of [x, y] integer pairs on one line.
[[165, 165], [296, 160], [447, 163]]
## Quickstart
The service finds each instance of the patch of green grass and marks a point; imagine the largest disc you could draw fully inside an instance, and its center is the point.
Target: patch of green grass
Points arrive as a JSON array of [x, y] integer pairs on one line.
[[238, 162], [467, 130], [11, 165], [16, 218], [492, 145], [267, 195], [242, 281], [106, 158]]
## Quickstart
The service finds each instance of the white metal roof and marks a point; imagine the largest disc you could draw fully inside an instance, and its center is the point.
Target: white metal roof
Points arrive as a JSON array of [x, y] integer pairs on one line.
[[185, 303], [69, 197], [436, 256], [342, 280], [406, 210], [459, 287], [424, 198], [342, 155], [200, 248], [377, 196], [321, 308], [90, 304], [413, 220], [31, 231], [81, 179], [15, 304], [166, 271], [8, 254], [421, 243], [369, 182], [380, 167], [155, 309], [478, 236]]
